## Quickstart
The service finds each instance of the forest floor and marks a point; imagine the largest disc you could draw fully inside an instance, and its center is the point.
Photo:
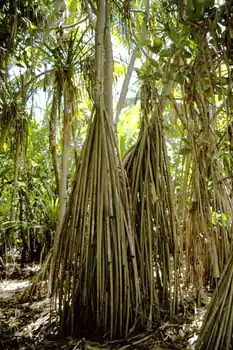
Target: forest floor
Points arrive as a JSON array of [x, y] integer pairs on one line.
[[28, 324]]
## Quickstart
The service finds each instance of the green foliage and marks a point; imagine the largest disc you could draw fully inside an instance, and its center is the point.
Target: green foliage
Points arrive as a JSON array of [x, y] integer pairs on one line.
[[128, 128], [184, 58]]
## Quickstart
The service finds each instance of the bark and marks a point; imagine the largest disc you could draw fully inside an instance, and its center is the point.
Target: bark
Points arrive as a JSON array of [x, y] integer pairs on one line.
[[52, 139], [100, 26], [22, 234], [168, 84], [90, 10], [3, 135], [76, 157], [125, 87], [15, 183], [66, 132], [65, 153], [108, 65]]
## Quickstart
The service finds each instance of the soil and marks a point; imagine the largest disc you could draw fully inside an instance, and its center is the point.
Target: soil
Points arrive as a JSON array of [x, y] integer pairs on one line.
[[31, 324]]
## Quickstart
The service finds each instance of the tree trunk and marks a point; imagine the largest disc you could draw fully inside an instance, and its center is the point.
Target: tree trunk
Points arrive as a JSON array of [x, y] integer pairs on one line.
[[65, 155], [108, 65], [22, 234], [125, 87], [15, 183], [3, 134], [100, 26], [52, 138]]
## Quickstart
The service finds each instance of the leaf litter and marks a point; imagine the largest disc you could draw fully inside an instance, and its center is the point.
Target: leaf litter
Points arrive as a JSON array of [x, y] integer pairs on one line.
[[32, 324]]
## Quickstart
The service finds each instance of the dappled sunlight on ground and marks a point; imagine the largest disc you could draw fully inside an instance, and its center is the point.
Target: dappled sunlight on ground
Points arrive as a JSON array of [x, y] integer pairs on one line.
[[8, 288], [31, 324]]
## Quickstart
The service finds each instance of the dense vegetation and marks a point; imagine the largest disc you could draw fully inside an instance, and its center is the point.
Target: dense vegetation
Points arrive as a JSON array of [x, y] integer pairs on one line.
[[116, 141]]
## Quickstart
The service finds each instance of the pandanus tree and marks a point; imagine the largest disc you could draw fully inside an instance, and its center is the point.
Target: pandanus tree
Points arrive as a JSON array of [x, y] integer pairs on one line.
[[207, 231], [94, 271], [205, 220], [216, 331], [66, 54], [16, 69], [119, 242], [115, 258], [147, 167], [15, 19], [14, 131]]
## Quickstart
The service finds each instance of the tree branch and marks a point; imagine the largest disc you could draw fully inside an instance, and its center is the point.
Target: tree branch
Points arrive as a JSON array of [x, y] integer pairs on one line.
[[125, 86]]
